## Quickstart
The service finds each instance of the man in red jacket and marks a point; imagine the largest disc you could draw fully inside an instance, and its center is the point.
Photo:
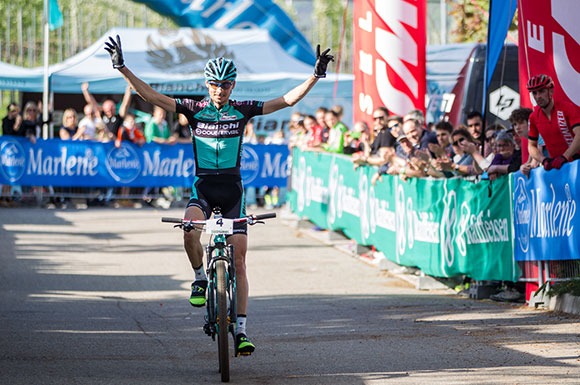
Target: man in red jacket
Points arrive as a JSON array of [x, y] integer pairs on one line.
[[557, 121]]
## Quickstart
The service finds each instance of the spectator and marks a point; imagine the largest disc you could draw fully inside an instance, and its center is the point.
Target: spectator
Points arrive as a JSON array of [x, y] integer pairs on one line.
[[461, 162], [339, 111], [313, 133], [420, 138], [87, 129], [519, 120], [475, 126], [337, 133], [129, 131], [320, 119], [386, 129], [443, 148], [249, 133], [298, 135], [69, 124], [157, 129], [489, 140], [358, 140], [558, 122], [417, 115], [507, 158], [182, 131], [109, 115], [30, 126], [12, 121]]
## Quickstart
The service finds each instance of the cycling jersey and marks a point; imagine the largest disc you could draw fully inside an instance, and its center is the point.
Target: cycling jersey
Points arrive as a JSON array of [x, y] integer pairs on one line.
[[217, 134], [556, 131]]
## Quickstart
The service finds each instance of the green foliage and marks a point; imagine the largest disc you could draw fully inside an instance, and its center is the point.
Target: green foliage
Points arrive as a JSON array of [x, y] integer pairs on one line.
[[471, 19], [571, 287], [84, 22]]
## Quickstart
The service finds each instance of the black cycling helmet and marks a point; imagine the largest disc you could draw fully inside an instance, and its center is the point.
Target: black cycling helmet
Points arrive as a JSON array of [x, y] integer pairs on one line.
[[539, 81], [220, 69]]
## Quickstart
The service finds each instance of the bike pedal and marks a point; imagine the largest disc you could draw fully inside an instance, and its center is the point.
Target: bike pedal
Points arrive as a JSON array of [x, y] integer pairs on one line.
[[207, 329]]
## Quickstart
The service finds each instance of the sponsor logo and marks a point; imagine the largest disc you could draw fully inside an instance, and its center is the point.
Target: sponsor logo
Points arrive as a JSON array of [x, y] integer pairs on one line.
[[123, 163], [183, 51], [523, 214], [249, 165], [13, 160]]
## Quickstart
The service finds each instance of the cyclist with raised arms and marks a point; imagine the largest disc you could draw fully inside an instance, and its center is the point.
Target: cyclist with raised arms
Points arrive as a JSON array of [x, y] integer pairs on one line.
[[217, 126]]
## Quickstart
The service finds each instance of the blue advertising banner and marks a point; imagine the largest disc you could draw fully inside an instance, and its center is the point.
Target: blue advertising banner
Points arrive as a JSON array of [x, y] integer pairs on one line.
[[545, 221], [55, 162]]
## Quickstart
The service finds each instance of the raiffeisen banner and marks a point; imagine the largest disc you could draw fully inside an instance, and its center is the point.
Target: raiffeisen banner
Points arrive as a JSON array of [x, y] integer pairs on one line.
[[56, 162], [228, 14], [551, 45], [389, 56]]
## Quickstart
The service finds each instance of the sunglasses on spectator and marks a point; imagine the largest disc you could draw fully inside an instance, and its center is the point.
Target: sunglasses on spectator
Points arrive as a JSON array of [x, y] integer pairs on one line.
[[458, 141], [224, 85], [382, 117], [394, 125], [489, 138]]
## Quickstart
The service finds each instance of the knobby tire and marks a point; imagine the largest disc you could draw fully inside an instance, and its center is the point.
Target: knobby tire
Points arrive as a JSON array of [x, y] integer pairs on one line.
[[222, 307]]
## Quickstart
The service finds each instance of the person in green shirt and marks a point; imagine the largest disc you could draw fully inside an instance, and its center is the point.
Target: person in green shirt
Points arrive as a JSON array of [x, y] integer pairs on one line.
[[336, 134], [157, 130]]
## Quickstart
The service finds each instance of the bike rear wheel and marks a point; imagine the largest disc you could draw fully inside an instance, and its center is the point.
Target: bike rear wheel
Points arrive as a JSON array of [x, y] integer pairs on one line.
[[222, 307]]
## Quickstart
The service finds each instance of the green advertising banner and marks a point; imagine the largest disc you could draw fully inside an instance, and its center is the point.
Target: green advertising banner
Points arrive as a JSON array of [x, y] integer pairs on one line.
[[445, 227]]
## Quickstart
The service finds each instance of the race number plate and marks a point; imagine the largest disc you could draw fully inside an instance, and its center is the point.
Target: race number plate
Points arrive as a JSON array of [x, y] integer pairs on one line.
[[219, 226]]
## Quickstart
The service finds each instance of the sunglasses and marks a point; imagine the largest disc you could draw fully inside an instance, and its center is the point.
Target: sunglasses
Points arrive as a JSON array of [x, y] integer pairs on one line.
[[458, 141], [379, 117], [394, 125], [225, 85]]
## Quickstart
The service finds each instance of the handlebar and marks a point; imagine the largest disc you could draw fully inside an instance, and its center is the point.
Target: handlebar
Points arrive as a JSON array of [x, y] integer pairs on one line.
[[191, 224]]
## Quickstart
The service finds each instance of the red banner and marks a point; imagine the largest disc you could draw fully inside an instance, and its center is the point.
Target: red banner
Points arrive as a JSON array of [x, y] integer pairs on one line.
[[550, 32], [389, 56]]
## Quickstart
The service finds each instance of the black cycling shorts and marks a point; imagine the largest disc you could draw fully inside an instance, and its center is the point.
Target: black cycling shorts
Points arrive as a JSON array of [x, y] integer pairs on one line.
[[223, 191]]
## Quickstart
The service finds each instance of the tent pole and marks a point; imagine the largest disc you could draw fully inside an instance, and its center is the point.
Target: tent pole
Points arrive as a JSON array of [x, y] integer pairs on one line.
[[45, 80]]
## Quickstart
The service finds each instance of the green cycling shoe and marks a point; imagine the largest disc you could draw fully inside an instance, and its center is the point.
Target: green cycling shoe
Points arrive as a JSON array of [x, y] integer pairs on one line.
[[244, 346], [198, 289]]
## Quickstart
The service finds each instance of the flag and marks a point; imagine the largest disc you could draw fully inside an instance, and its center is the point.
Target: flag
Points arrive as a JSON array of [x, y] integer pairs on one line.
[[55, 19]]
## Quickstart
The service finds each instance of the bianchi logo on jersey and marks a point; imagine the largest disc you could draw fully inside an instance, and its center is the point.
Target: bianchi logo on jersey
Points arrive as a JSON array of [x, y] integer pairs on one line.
[[217, 129]]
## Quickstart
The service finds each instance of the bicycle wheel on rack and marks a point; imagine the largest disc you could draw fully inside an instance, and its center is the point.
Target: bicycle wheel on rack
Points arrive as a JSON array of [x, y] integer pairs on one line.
[[222, 308]]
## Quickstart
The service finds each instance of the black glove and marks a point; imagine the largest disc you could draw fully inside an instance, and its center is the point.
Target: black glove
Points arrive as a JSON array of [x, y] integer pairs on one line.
[[114, 49], [547, 163], [322, 60]]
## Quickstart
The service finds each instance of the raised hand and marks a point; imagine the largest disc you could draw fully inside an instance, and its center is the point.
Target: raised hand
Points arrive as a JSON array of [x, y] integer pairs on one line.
[[322, 60], [114, 49]]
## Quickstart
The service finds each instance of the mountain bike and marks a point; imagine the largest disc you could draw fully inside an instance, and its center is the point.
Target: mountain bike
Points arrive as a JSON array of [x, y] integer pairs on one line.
[[221, 314]]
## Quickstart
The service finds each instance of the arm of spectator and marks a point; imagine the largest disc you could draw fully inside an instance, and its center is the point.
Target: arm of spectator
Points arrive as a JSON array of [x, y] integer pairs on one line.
[[534, 151], [90, 99], [575, 145], [126, 102], [80, 132], [480, 164], [499, 169]]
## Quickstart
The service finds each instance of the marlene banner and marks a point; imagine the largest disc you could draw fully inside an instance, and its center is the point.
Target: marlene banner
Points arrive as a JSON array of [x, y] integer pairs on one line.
[[444, 227], [551, 37], [56, 162], [546, 222], [389, 56]]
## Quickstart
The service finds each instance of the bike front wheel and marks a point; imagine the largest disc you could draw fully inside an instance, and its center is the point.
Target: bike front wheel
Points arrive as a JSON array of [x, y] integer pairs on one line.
[[222, 307]]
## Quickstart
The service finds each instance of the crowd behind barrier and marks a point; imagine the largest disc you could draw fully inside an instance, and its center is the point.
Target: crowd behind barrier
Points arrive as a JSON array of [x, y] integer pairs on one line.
[[487, 230]]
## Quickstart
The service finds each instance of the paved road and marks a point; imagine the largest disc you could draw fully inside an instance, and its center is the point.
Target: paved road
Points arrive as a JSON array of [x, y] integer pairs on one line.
[[100, 297]]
